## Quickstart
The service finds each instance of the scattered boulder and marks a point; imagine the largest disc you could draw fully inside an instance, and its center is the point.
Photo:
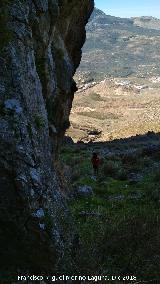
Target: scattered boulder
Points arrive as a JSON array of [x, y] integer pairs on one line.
[[136, 195], [116, 198], [90, 214], [93, 178], [83, 191], [134, 178]]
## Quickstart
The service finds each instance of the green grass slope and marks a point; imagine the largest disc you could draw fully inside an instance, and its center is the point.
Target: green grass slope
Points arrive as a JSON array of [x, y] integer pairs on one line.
[[119, 225]]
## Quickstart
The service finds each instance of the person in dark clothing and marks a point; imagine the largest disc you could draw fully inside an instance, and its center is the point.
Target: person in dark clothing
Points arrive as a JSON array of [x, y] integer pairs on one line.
[[95, 163]]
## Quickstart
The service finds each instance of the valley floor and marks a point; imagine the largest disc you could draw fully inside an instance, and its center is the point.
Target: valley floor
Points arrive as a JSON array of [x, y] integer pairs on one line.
[[118, 226], [116, 108]]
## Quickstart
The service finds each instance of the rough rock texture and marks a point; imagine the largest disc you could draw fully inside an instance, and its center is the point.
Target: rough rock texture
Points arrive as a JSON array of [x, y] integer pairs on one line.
[[40, 50]]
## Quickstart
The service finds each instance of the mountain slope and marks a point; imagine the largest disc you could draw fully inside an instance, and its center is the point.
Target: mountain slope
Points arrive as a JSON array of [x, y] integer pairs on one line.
[[121, 47]]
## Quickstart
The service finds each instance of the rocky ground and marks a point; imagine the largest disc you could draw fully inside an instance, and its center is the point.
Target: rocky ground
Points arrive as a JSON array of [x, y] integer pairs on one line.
[[117, 213]]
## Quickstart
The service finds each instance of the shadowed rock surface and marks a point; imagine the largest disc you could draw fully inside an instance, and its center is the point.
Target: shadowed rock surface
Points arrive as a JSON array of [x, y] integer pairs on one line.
[[40, 50]]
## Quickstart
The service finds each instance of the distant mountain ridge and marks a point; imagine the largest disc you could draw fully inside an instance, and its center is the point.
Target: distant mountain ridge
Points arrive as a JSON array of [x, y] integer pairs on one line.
[[147, 22], [120, 47]]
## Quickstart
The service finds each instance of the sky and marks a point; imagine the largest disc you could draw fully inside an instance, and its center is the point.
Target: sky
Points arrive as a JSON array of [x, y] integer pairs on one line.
[[130, 8]]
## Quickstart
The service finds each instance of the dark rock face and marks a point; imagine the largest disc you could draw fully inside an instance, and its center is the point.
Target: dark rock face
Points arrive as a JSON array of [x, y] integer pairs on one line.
[[39, 54]]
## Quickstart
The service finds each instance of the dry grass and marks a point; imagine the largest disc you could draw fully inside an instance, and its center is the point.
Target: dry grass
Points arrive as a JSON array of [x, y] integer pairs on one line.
[[117, 111]]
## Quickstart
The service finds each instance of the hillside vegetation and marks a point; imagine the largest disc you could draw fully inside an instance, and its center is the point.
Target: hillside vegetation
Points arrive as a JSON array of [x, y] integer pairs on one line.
[[120, 47], [118, 224]]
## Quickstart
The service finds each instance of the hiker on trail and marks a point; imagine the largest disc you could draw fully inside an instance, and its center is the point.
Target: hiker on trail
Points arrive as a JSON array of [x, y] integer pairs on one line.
[[95, 163]]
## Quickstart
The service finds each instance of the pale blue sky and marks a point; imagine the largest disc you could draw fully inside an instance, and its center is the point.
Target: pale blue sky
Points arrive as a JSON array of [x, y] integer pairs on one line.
[[130, 8]]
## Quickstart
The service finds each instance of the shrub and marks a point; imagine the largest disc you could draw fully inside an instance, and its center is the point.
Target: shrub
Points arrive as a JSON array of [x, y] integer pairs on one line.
[[110, 168], [152, 192], [76, 175], [156, 176], [130, 158], [145, 161], [96, 97], [122, 174]]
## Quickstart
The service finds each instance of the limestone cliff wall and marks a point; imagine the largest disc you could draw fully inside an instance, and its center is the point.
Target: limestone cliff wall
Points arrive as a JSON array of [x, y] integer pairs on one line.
[[40, 49]]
